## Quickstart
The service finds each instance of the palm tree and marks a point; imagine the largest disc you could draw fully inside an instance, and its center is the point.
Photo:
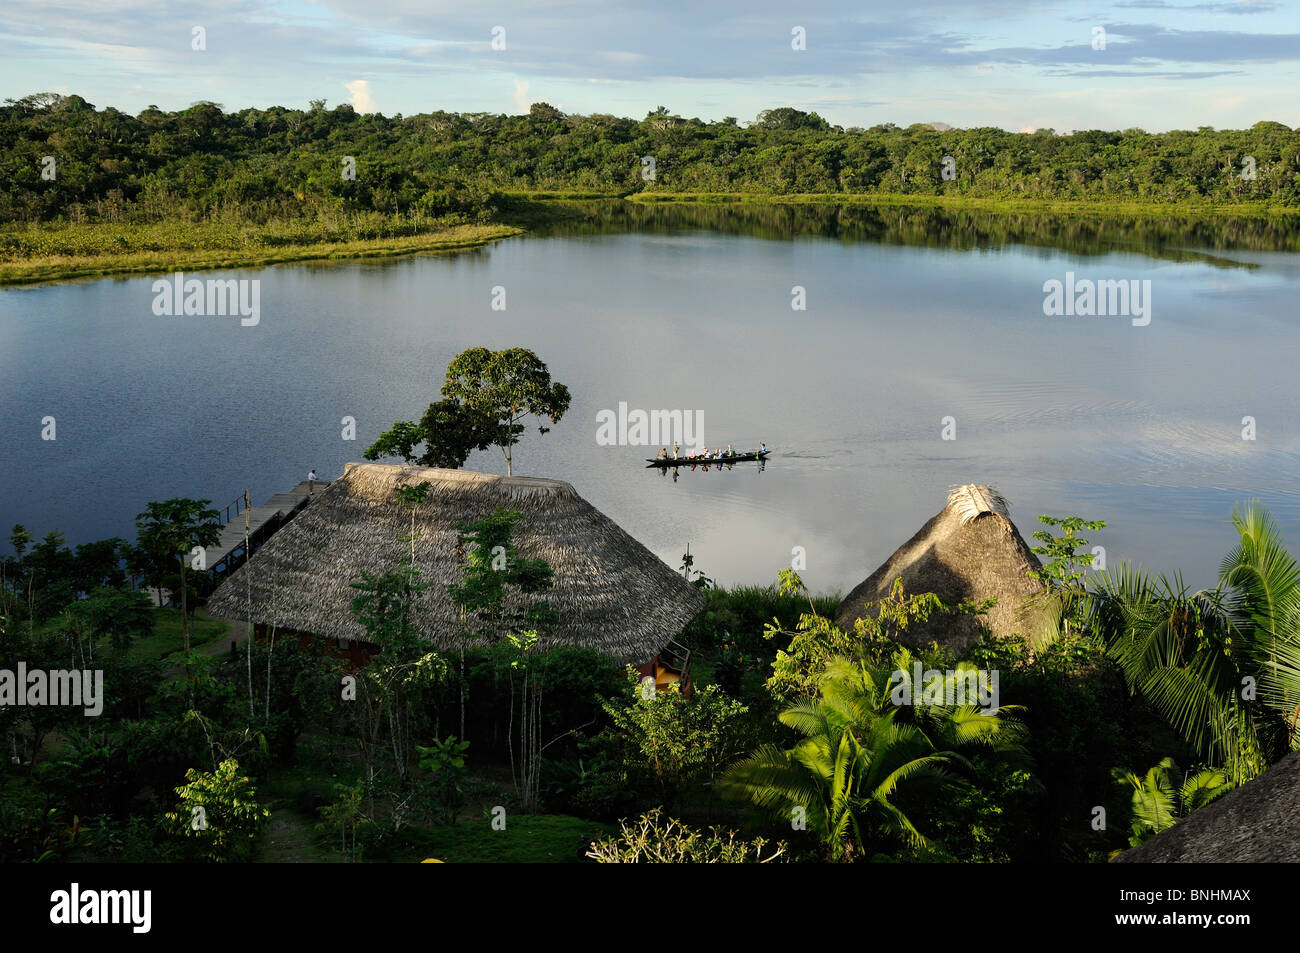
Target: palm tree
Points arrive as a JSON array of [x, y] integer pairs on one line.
[[1196, 656], [957, 727], [1264, 584], [174, 529], [1175, 648], [858, 751], [1161, 799]]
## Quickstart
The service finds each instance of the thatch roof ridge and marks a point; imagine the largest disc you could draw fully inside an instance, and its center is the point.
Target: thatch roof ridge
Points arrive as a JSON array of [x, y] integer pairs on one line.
[[377, 483], [968, 550], [612, 593], [972, 502], [1253, 824]]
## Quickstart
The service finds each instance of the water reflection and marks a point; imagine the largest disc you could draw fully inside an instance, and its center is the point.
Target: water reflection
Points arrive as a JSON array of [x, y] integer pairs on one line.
[[913, 315], [1169, 237], [704, 467]]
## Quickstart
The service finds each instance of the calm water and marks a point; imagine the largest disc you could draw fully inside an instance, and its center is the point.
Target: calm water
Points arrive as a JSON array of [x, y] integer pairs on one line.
[[908, 320]]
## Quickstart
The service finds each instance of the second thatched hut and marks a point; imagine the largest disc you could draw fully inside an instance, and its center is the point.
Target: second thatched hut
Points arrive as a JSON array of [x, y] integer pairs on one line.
[[969, 551]]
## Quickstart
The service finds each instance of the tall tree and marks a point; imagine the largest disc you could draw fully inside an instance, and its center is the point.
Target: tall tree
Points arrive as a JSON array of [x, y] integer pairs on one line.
[[448, 430], [173, 529], [506, 387], [488, 611], [486, 397]]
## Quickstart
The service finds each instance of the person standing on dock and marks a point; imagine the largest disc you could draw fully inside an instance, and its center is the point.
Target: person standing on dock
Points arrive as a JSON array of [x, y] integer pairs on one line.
[[311, 482]]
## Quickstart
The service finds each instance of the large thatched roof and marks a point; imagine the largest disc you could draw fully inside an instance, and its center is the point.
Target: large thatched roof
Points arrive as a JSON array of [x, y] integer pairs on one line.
[[970, 550], [1254, 824], [611, 593]]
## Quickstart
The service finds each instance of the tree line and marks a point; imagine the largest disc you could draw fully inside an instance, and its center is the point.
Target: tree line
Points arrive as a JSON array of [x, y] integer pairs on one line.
[[68, 160]]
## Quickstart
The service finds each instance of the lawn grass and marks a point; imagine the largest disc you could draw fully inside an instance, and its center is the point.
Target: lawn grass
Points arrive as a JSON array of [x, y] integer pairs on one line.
[[527, 839], [32, 254], [293, 793], [167, 638], [326, 760]]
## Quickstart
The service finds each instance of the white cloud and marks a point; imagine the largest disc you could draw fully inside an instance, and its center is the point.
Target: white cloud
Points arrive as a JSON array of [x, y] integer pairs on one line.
[[362, 101], [521, 96]]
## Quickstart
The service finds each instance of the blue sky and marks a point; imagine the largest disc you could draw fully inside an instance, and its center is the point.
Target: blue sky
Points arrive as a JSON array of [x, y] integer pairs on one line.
[[1018, 65]]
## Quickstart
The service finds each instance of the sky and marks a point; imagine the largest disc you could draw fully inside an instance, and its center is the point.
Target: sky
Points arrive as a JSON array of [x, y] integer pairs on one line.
[[1075, 64]]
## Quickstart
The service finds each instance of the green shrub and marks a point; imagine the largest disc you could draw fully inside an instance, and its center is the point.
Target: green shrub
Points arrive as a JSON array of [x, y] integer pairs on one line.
[[218, 813]]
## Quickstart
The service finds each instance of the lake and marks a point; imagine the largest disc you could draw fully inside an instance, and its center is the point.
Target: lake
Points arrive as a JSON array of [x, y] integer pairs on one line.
[[911, 316]]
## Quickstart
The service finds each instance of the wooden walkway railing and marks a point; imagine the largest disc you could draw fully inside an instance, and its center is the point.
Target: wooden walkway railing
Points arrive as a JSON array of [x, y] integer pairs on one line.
[[259, 521], [240, 503]]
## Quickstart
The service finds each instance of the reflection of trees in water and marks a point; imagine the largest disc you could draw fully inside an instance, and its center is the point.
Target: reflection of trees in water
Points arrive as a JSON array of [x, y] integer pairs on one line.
[[1159, 235]]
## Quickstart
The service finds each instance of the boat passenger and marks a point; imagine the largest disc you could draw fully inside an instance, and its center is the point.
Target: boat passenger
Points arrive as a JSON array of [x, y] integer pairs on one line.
[[730, 452], [663, 454], [762, 447]]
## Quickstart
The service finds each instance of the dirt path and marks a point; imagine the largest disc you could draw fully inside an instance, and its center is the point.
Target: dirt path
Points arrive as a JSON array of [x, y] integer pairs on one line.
[[291, 839], [237, 633]]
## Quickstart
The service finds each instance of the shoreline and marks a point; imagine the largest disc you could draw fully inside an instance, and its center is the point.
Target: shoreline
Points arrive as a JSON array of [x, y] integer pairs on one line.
[[55, 269], [243, 248]]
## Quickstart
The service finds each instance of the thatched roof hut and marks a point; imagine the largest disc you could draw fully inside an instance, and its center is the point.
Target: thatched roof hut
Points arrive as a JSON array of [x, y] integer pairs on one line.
[[970, 551], [610, 592], [1254, 824]]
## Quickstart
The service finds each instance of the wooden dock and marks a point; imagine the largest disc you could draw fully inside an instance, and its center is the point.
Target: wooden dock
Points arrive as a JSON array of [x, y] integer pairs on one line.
[[262, 521]]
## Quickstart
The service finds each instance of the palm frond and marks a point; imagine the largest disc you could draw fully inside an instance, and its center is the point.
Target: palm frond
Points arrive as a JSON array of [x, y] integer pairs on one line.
[[1204, 786]]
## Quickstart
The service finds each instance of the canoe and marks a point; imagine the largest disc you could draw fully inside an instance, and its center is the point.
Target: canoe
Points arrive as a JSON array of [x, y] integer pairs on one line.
[[708, 461]]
